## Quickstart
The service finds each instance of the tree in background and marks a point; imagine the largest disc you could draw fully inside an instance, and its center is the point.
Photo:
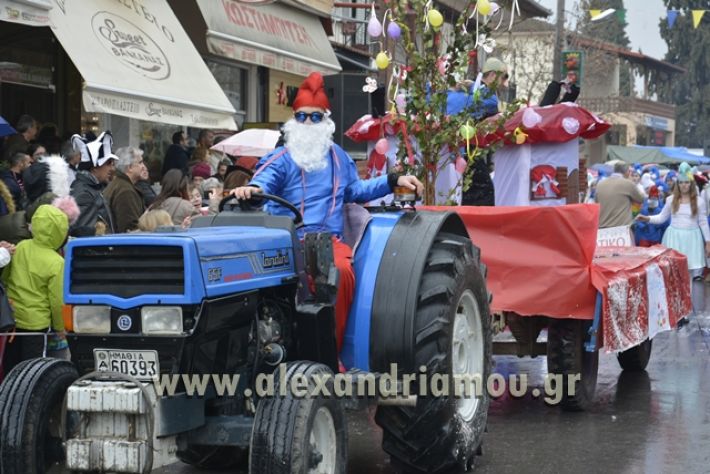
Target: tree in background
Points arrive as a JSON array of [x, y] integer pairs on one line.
[[611, 29], [688, 47]]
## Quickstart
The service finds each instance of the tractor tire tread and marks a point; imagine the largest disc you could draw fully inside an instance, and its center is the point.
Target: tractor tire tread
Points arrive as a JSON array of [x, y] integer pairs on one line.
[[30, 387], [416, 438]]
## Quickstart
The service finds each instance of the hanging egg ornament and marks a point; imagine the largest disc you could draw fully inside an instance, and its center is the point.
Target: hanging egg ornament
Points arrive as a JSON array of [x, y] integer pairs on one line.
[[484, 7], [436, 19], [382, 60], [393, 30], [374, 28], [401, 103], [466, 131], [382, 146]]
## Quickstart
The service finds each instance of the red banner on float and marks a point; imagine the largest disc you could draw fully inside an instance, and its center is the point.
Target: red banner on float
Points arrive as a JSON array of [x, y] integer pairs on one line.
[[646, 291], [538, 258]]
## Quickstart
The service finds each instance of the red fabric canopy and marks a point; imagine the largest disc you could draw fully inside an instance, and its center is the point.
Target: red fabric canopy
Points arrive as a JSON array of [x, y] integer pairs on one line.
[[538, 258], [550, 124], [368, 128]]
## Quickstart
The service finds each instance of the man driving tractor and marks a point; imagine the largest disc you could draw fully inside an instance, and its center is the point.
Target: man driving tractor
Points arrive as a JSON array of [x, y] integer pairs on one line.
[[318, 177]]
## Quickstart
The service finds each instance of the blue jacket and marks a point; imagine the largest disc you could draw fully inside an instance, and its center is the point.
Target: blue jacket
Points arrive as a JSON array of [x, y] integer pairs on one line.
[[485, 105], [646, 230], [278, 174]]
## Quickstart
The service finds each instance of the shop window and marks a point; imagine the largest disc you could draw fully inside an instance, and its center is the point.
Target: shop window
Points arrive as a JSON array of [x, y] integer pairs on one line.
[[155, 138], [233, 81]]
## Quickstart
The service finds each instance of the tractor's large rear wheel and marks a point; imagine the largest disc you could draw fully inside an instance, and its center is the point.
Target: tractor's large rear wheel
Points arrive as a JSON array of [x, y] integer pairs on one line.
[[31, 399], [451, 337]]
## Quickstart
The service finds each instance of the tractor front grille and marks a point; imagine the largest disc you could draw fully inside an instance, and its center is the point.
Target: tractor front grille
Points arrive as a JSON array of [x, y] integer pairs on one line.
[[127, 270]]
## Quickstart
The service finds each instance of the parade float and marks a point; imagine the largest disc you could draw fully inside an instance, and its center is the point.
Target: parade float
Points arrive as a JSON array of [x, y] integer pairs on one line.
[[545, 266]]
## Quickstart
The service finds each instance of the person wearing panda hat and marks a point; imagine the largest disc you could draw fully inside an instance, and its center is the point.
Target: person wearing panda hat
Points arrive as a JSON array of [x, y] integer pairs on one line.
[[319, 177], [96, 170]]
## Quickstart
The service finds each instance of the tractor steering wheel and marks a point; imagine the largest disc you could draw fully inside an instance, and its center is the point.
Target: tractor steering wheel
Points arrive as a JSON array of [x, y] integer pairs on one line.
[[247, 205]]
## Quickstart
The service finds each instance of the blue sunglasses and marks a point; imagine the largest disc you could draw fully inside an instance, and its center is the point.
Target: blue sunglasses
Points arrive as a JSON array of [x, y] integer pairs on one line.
[[316, 117]]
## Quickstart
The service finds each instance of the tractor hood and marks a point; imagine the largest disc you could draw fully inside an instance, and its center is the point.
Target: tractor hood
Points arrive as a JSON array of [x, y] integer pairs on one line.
[[184, 267]]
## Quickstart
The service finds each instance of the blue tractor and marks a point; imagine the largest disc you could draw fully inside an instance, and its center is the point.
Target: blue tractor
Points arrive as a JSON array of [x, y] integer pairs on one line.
[[190, 345]]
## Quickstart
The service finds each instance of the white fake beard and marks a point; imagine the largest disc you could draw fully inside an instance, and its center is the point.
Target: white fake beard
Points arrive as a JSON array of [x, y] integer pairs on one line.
[[309, 143]]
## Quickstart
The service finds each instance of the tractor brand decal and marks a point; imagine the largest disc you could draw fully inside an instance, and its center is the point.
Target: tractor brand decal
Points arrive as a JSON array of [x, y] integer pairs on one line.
[[124, 322], [214, 274], [238, 277], [279, 260]]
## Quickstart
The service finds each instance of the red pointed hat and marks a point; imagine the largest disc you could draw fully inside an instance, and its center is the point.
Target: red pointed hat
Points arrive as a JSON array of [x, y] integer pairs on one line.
[[312, 93]]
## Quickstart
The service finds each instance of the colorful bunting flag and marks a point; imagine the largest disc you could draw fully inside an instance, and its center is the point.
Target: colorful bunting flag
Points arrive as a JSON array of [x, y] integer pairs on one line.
[[672, 16], [594, 13], [697, 17]]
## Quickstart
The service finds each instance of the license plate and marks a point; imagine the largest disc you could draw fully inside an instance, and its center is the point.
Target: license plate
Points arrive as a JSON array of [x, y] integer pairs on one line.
[[142, 365]]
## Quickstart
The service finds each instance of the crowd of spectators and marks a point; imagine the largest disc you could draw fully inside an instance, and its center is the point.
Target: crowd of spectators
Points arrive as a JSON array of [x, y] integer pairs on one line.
[[52, 190]]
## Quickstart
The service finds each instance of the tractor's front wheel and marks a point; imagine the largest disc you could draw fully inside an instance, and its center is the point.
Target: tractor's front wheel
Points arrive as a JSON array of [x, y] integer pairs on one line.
[[452, 341], [31, 400], [297, 432]]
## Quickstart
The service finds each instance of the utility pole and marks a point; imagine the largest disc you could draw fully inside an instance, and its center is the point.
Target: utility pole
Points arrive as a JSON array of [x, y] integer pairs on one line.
[[559, 41]]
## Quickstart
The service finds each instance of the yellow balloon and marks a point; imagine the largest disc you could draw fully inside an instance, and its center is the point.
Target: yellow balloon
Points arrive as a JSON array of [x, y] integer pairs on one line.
[[484, 7], [382, 60], [435, 18]]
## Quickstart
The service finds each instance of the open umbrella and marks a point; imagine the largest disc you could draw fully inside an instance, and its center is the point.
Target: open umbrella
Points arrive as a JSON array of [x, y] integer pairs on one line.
[[5, 128], [250, 142]]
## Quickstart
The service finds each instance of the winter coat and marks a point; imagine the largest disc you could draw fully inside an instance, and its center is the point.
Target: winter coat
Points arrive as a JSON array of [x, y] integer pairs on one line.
[[146, 190], [92, 204], [35, 276], [12, 181], [178, 208], [175, 158], [125, 202]]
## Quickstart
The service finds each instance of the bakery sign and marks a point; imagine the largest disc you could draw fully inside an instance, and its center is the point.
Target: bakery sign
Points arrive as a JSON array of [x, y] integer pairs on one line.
[[130, 45]]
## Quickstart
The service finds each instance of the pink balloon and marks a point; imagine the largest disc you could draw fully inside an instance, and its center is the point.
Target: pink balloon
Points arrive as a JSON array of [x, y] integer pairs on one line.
[[382, 146], [460, 165]]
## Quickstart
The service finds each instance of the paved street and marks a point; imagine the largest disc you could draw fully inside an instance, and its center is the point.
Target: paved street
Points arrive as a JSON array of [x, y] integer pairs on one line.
[[651, 422]]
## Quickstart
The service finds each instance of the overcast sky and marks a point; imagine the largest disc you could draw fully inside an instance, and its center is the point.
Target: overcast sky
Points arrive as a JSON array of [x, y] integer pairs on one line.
[[642, 17]]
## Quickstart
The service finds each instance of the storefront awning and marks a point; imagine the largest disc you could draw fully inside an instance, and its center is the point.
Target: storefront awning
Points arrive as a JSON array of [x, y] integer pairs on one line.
[[137, 61], [275, 36], [26, 12]]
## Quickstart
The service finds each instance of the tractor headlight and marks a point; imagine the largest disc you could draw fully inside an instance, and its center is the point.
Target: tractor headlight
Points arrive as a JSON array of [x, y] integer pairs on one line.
[[161, 319], [91, 319]]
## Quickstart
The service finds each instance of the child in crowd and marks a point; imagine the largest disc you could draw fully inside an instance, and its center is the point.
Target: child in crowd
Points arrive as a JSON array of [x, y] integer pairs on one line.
[[151, 220], [34, 282], [688, 232]]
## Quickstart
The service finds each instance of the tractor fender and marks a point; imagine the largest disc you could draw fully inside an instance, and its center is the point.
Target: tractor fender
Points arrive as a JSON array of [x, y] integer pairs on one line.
[[388, 266]]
